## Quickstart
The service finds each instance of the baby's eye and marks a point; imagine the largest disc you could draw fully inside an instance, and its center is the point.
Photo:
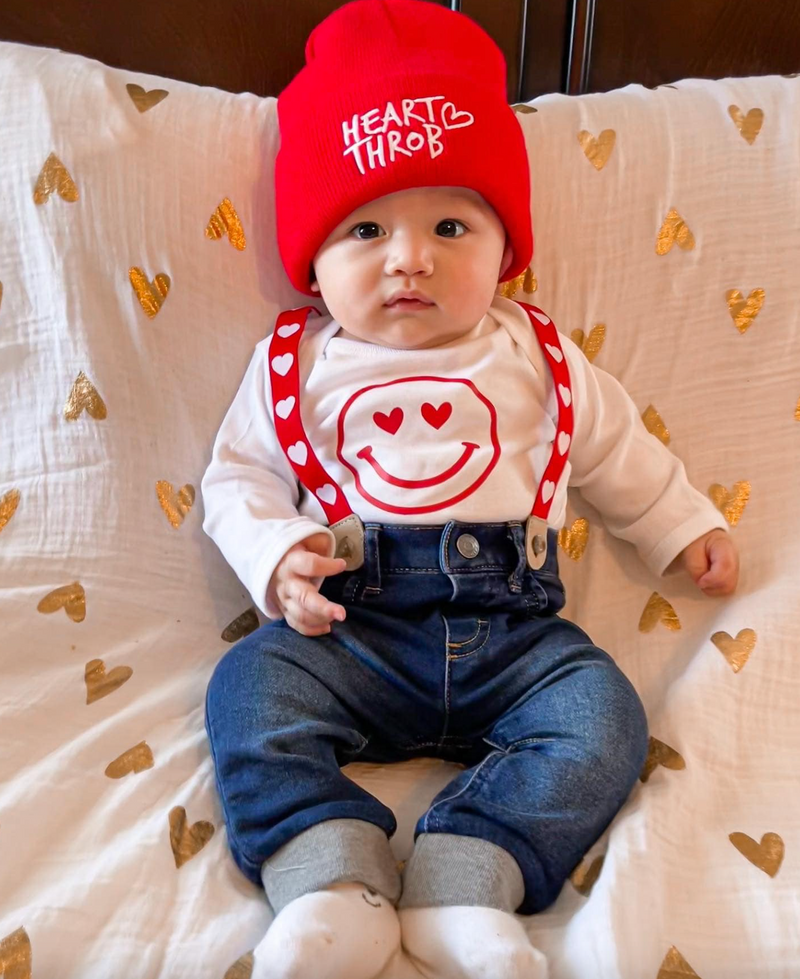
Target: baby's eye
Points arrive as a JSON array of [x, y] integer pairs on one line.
[[365, 224], [449, 223]]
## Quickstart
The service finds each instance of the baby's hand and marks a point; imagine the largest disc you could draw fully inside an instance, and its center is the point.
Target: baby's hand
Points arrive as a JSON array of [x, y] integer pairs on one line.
[[712, 561], [306, 611]]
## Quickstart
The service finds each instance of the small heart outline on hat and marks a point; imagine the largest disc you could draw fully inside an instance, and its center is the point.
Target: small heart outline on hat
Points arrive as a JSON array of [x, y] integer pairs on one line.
[[455, 115]]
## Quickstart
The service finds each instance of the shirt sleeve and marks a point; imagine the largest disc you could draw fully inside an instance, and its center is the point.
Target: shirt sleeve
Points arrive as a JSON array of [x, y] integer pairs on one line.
[[638, 486], [250, 492]]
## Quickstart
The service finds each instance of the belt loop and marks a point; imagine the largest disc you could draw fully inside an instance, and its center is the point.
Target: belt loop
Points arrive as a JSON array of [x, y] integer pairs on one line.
[[372, 559], [517, 534], [444, 548]]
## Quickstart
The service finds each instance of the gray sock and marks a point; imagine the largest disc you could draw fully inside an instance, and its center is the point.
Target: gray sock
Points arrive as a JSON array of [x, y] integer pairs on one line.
[[447, 869], [332, 852]]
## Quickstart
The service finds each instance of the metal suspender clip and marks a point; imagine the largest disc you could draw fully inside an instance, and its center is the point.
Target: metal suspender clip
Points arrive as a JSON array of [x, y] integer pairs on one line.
[[349, 534], [536, 541]]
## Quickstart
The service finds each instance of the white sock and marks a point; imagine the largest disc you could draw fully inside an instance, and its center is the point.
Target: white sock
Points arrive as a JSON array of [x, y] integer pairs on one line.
[[469, 943], [346, 931]]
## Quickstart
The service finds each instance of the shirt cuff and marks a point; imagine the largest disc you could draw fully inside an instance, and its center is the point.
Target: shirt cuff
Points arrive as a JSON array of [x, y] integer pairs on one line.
[[667, 549]]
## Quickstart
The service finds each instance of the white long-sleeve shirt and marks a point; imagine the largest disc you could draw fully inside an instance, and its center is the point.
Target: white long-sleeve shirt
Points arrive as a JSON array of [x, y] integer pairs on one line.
[[462, 431]]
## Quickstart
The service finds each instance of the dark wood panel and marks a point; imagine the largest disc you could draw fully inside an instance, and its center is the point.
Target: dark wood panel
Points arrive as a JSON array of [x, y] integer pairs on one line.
[[658, 42], [545, 47], [504, 21], [238, 45]]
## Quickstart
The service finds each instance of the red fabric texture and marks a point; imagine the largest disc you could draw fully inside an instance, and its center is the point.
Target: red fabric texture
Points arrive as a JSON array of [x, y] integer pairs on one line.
[[395, 94]]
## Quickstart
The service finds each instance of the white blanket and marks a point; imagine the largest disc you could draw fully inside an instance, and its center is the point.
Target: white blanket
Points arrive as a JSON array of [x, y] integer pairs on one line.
[[113, 858]]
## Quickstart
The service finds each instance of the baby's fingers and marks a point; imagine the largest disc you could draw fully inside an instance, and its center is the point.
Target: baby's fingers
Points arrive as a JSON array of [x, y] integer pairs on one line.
[[311, 565], [723, 574], [308, 611]]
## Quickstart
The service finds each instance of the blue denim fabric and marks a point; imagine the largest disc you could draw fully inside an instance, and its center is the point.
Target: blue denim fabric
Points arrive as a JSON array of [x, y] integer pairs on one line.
[[441, 655]]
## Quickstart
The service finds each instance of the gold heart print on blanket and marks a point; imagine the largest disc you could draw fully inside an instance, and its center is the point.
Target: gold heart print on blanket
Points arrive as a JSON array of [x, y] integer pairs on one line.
[[145, 100], [766, 855], [100, 684], [655, 424], [242, 968], [585, 875], [524, 109], [675, 966], [8, 506], [748, 125], [175, 504], [151, 295], [591, 344], [225, 221], [657, 610], [736, 651], [597, 150], [72, 598], [575, 538], [241, 626], [674, 229], [136, 759], [659, 753], [744, 311], [84, 396], [16, 955], [187, 841], [731, 504], [54, 176], [525, 280]]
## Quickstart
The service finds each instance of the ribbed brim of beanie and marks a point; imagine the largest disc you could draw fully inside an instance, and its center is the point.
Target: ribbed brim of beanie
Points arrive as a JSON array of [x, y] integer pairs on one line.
[[395, 94]]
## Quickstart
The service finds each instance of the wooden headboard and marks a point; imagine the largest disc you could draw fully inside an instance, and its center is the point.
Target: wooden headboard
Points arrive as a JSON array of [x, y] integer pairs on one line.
[[550, 45]]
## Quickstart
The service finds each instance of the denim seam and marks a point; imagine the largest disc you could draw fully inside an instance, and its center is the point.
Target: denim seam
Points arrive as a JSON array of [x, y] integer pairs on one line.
[[452, 656], [472, 638], [446, 681], [228, 822], [475, 775], [413, 570]]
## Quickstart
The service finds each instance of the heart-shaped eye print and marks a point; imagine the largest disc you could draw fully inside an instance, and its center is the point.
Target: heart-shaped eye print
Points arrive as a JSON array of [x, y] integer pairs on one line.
[[391, 422], [437, 416]]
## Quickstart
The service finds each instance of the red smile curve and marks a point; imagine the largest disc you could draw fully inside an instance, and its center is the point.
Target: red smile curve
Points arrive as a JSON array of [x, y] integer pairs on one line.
[[366, 453]]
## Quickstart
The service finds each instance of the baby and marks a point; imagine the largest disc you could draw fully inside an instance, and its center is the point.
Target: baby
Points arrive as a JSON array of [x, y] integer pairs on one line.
[[388, 483]]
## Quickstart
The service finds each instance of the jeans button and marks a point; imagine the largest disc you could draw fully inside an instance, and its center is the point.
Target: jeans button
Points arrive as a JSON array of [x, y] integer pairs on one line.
[[468, 546]]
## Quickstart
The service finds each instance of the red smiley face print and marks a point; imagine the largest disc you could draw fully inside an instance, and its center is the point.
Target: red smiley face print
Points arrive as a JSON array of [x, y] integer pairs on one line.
[[418, 444]]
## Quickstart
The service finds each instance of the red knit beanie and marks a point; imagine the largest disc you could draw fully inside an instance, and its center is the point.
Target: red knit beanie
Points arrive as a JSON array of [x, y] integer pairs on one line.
[[395, 94]]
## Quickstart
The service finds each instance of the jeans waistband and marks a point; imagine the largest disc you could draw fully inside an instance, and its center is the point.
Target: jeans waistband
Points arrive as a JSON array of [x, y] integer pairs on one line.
[[411, 569], [454, 548]]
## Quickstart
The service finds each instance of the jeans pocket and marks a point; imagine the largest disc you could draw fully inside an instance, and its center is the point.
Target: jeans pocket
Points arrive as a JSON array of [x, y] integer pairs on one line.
[[466, 635]]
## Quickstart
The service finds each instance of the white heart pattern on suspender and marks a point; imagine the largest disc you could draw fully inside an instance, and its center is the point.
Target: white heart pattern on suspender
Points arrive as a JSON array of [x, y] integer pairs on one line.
[[283, 364], [284, 408], [298, 453]]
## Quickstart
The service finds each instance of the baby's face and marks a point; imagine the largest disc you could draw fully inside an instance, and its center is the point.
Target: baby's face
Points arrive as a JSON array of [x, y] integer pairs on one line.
[[445, 242]]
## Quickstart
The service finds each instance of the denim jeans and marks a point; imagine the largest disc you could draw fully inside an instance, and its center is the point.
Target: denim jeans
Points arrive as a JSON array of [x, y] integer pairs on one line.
[[441, 654]]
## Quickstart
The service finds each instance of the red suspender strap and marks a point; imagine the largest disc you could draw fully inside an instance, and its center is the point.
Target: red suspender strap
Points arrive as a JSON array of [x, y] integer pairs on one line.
[[547, 335], [284, 375]]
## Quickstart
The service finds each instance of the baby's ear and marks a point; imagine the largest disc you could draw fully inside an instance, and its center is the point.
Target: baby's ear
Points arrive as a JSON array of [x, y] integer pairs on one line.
[[508, 255]]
